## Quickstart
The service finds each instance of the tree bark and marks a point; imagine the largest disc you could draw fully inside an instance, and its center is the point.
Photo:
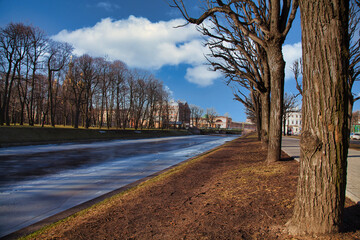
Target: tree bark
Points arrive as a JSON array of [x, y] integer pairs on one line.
[[265, 118], [277, 75], [324, 142], [258, 119], [50, 97], [77, 115]]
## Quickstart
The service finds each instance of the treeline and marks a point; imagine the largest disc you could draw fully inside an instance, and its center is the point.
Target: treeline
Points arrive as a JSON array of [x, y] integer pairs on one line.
[[42, 83]]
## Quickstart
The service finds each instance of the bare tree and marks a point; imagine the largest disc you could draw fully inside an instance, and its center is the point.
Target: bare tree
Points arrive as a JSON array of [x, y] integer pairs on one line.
[[296, 68], [244, 63], [164, 109], [273, 19], [210, 116], [36, 52], [75, 81], [14, 45], [154, 91], [89, 75], [139, 97], [129, 100], [324, 141], [104, 83], [251, 114], [253, 106], [87, 91], [289, 107], [22, 82], [119, 70], [196, 114], [58, 55]]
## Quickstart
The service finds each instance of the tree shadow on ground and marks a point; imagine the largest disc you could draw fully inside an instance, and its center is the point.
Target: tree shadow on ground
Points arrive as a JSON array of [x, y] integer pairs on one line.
[[286, 159], [352, 218]]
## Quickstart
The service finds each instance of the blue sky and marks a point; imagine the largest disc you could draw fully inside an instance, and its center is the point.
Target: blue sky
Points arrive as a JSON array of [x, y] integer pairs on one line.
[[141, 33]]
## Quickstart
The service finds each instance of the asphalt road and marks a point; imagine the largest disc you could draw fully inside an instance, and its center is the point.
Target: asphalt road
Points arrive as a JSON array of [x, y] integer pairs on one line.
[[37, 182], [291, 146]]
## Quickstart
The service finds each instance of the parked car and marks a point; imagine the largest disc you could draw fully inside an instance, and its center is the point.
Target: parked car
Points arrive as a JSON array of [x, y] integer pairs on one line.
[[355, 136]]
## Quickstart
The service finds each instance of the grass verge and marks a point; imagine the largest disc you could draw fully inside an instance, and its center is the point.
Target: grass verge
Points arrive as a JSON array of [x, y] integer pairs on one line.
[[10, 136]]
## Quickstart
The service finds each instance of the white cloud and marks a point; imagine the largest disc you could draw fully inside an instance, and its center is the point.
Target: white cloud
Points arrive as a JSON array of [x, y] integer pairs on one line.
[[107, 6], [201, 75], [139, 42], [291, 53], [169, 91]]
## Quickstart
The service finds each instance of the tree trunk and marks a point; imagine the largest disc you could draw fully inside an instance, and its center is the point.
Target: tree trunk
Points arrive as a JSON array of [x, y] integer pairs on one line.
[[321, 188], [50, 98], [7, 103], [77, 113], [257, 110], [277, 75], [87, 106], [31, 109], [265, 106], [258, 125], [265, 118]]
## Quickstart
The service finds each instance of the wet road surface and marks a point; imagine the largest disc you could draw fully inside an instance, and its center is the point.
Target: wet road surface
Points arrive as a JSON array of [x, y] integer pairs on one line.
[[39, 181]]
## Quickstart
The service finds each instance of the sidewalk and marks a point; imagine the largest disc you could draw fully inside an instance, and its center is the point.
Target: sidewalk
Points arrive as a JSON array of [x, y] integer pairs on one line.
[[291, 146]]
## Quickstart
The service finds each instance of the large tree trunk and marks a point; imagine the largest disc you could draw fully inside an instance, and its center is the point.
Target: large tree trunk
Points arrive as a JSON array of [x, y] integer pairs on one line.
[[324, 142], [277, 75]]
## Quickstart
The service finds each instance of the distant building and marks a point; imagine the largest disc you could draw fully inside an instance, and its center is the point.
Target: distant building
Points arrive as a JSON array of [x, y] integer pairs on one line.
[[236, 125], [247, 126], [249, 121], [222, 122], [179, 114], [201, 123], [293, 123], [355, 122]]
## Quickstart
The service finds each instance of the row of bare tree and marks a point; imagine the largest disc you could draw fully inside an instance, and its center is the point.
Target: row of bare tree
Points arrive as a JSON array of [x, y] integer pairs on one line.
[[245, 38], [41, 83], [108, 93], [198, 115]]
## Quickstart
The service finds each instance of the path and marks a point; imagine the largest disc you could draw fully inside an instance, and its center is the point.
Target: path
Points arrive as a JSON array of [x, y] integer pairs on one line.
[[291, 146]]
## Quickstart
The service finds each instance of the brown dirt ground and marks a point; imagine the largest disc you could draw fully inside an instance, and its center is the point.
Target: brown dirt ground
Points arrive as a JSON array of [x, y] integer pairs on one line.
[[228, 193]]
